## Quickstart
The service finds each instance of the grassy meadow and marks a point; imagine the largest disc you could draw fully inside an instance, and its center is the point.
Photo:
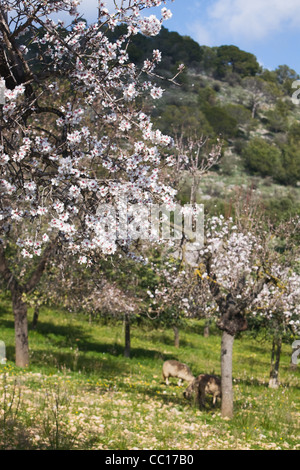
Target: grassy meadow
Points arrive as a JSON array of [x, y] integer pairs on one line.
[[79, 392]]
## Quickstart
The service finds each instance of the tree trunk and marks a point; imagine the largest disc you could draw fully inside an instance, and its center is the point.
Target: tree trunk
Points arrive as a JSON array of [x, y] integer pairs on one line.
[[35, 317], [176, 336], [226, 375], [275, 360], [206, 329], [127, 335], [21, 330]]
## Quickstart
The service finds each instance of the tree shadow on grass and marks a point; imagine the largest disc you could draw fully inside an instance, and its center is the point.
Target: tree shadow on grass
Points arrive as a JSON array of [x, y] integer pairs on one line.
[[71, 346], [72, 336], [70, 361], [5, 308], [10, 353], [7, 324], [63, 335], [107, 360]]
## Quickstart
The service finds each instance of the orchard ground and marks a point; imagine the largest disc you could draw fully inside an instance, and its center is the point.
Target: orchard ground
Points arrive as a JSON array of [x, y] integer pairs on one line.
[[79, 392]]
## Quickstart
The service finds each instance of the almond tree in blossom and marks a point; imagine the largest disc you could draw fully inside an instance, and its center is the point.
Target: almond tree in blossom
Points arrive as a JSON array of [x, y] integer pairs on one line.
[[72, 137], [279, 312], [239, 264], [277, 307]]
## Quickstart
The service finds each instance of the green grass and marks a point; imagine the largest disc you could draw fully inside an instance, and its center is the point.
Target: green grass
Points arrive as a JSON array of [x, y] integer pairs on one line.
[[79, 392]]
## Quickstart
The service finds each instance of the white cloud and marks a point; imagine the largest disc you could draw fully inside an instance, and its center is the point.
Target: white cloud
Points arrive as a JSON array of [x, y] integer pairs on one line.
[[253, 20]]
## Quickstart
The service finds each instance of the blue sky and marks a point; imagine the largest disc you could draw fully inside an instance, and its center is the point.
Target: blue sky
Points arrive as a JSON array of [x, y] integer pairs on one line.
[[270, 29]]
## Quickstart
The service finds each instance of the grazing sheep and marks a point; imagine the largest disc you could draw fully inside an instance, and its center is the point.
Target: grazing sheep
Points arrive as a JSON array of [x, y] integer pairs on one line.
[[202, 385], [176, 369]]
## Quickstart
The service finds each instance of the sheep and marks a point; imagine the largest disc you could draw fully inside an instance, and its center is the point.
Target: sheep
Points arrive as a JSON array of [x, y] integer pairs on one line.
[[202, 385], [174, 368]]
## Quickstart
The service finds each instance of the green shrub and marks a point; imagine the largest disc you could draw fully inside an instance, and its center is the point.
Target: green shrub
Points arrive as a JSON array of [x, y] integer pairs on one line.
[[294, 134], [275, 122], [232, 59], [239, 146], [188, 120], [283, 208], [262, 158], [238, 112], [222, 123], [291, 164], [207, 95]]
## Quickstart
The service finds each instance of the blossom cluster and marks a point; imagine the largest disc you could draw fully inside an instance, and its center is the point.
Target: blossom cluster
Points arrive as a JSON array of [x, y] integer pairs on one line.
[[280, 302], [233, 252], [240, 260], [68, 157]]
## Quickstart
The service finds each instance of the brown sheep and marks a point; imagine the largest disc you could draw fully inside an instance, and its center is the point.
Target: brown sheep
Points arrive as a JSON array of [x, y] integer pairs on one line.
[[202, 385]]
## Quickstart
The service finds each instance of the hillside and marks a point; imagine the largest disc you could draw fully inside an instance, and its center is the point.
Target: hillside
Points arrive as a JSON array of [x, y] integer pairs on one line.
[[224, 93], [244, 166]]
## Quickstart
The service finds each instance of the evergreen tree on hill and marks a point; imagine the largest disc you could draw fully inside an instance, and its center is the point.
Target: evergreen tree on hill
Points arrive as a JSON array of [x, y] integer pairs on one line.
[[232, 59]]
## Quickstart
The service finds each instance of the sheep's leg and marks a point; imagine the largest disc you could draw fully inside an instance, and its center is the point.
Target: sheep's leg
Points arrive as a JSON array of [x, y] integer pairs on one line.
[[201, 397]]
